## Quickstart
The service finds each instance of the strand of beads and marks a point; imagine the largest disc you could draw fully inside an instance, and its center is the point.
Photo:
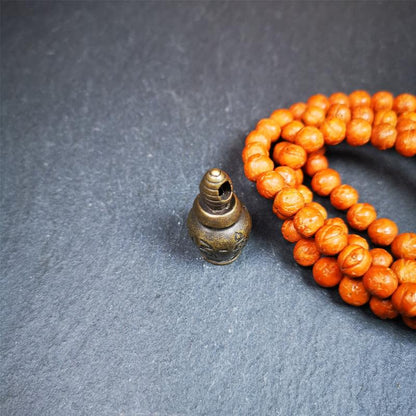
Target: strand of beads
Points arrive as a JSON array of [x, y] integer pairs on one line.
[[291, 143]]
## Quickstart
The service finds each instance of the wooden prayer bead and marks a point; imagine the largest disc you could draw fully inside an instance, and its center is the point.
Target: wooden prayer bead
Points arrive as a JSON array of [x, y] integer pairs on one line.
[[406, 143], [319, 207], [289, 231], [381, 257], [293, 156], [385, 117], [270, 128], [404, 299], [253, 149], [337, 221], [383, 308], [380, 281], [326, 272], [277, 149], [364, 113], [343, 197], [339, 98], [269, 184], [404, 246], [405, 270], [358, 132], [297, 110], [405, 124], [305, 252], [291, 129], [359, 98], [353, 292], [382, 231], [299, 177], [308, 221], [354, 260], [310, 138], [282, 116], [288, 202], [288, 174], [339, 111], [331, 239], [257, 137], [382, 100], [383, 136], [256, 165], [325, 181], [361, 215], [333, 130], [404, 102], [318, 100], [306, 193], [408, 115], [315, 163], [358, 240], [313, 116]]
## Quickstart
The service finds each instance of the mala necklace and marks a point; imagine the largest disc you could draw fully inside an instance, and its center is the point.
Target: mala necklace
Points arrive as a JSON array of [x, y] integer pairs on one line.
[[338, 258]]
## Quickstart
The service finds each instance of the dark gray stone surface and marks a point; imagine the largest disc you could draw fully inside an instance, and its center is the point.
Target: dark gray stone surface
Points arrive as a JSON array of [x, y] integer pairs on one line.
[[111, 113]]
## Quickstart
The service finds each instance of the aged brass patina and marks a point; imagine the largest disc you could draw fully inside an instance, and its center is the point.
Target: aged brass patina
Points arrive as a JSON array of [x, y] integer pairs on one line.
[[218, 223]]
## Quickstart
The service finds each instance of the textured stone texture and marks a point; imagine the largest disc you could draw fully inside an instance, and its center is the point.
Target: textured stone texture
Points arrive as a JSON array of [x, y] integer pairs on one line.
[[111, 113]]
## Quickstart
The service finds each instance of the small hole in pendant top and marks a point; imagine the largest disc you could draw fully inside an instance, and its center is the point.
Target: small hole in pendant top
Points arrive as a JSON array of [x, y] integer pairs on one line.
[[225, 190]]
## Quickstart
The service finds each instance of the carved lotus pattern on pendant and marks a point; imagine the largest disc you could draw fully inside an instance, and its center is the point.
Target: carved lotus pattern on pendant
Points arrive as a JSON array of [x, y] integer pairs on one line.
[[240, 240]]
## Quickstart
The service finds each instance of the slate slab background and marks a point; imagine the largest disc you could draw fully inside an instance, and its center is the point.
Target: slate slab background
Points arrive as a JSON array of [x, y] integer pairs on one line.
[[110, 114]]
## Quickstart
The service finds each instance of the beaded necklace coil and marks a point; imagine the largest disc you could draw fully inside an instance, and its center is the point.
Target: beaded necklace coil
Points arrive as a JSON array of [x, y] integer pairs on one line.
[[292, 142]]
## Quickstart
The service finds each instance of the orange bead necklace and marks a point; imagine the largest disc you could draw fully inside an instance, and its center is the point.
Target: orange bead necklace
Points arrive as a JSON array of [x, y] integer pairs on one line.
[[292, 142]]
